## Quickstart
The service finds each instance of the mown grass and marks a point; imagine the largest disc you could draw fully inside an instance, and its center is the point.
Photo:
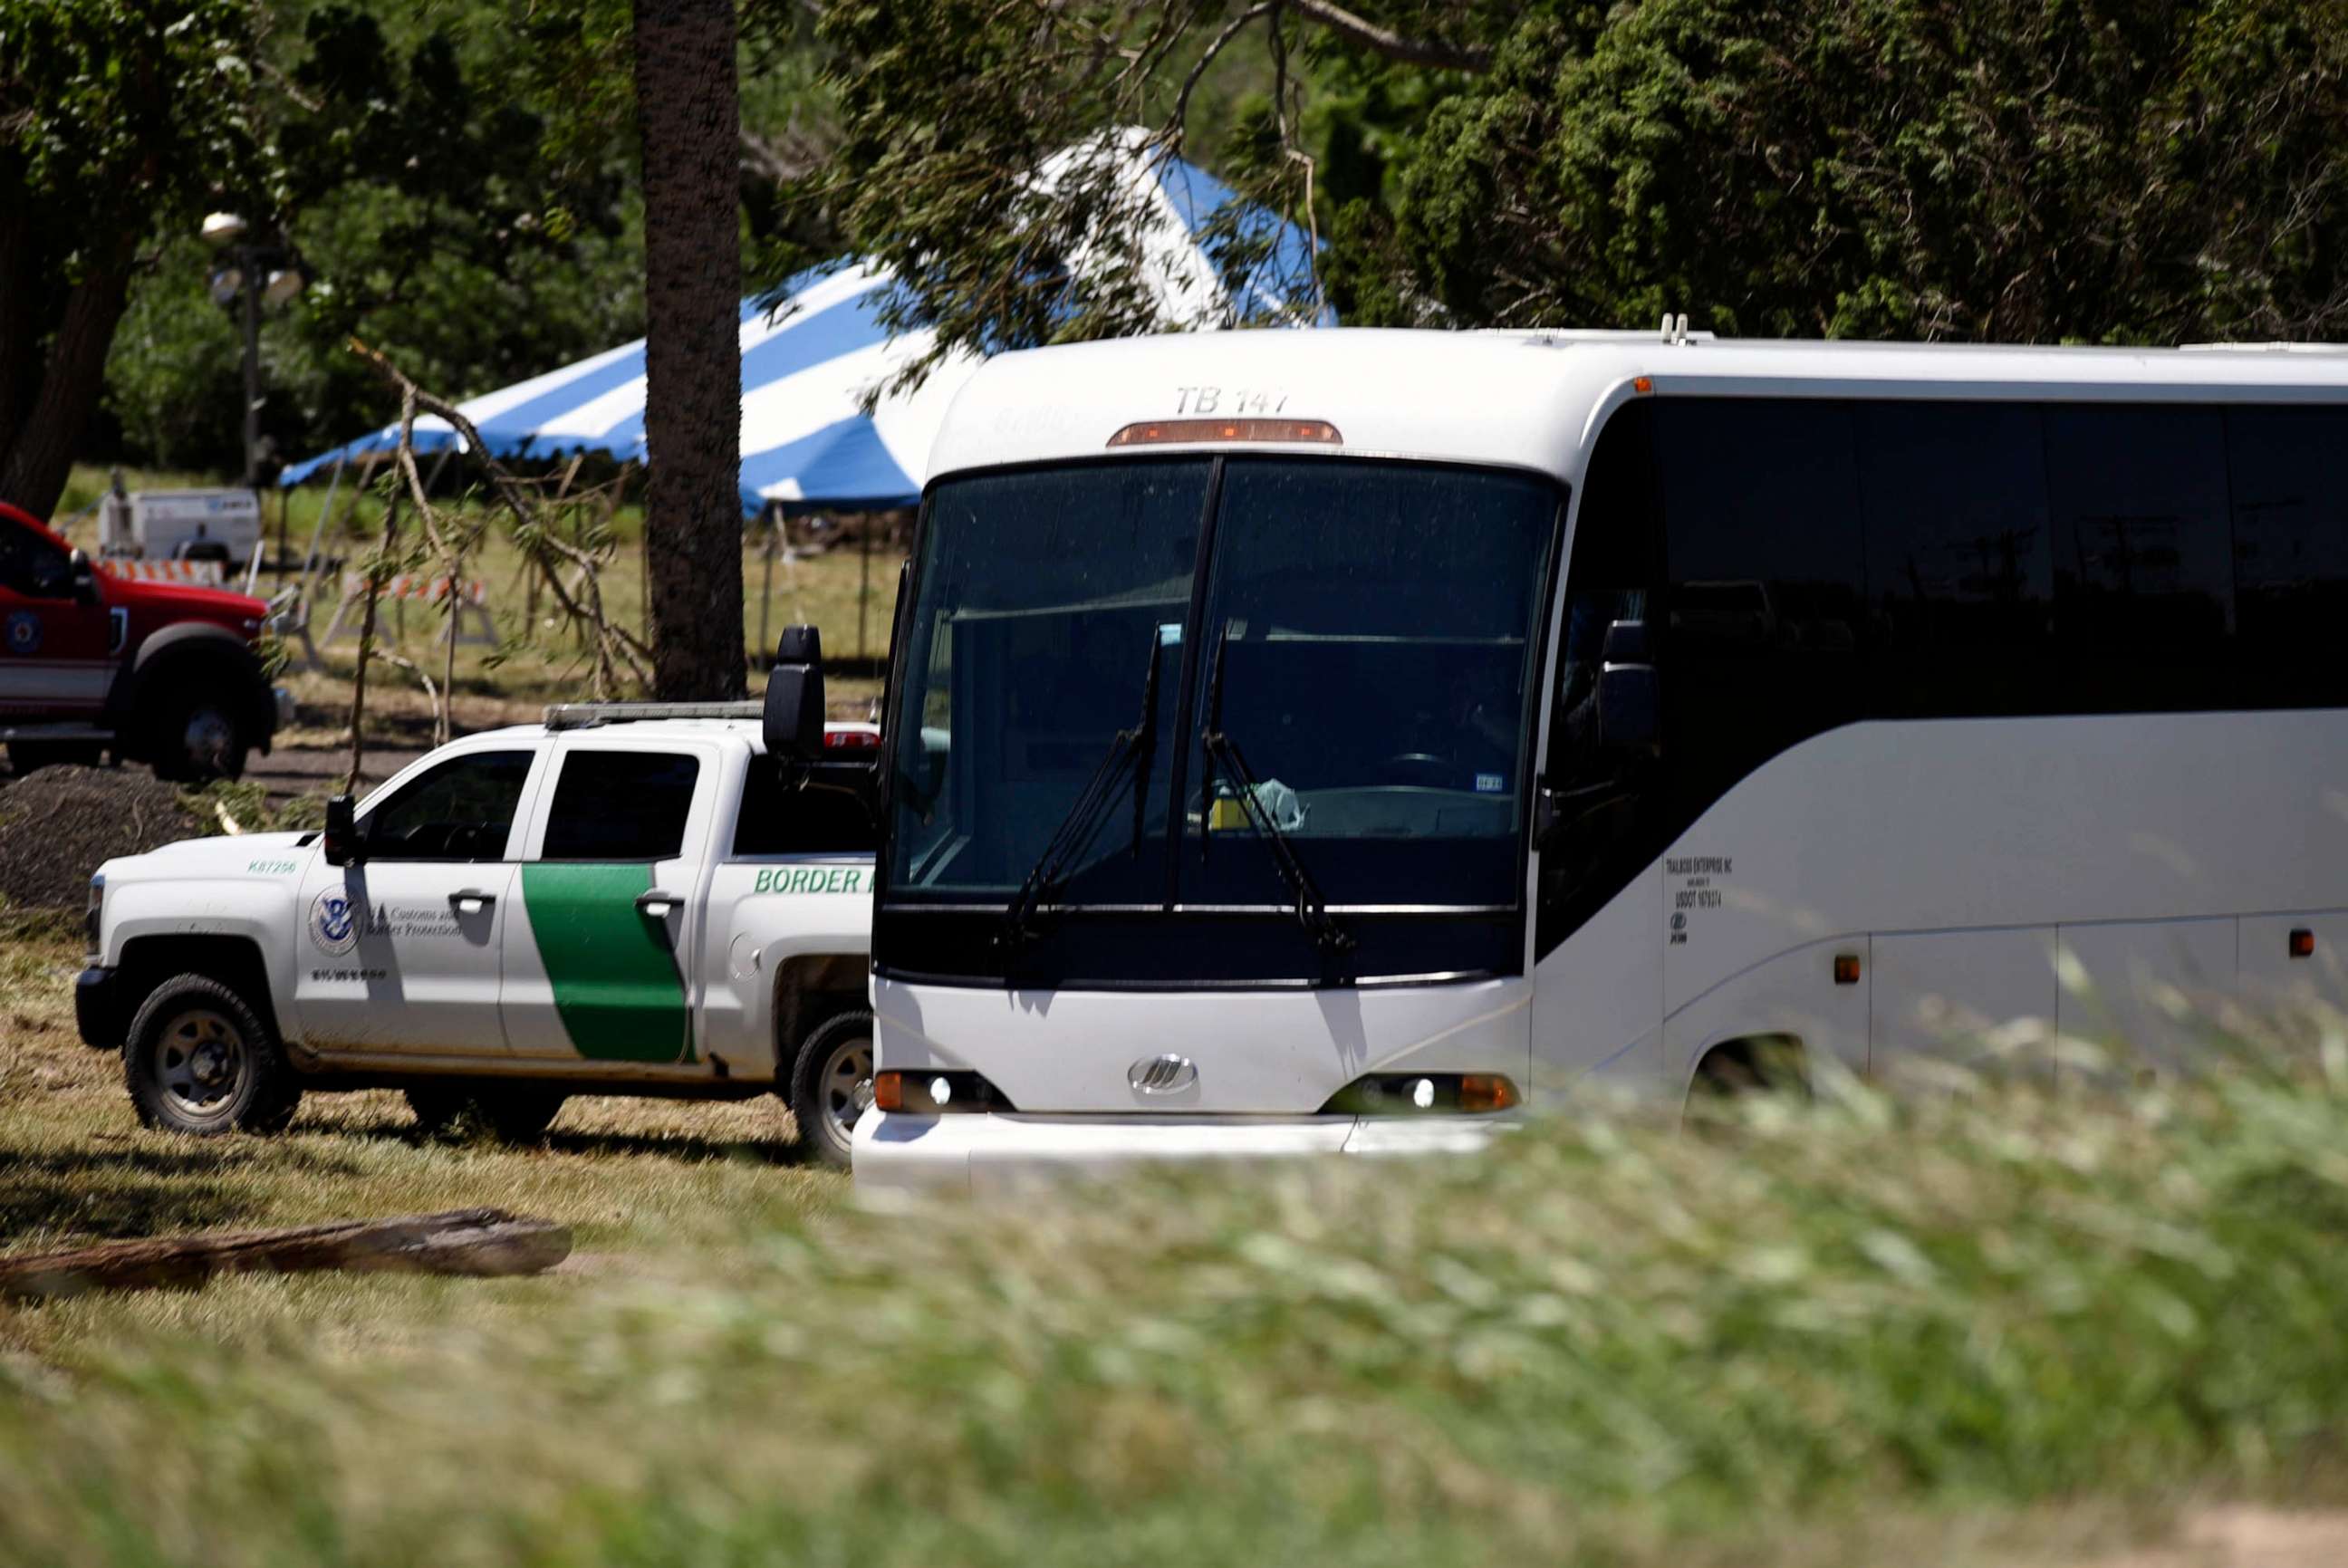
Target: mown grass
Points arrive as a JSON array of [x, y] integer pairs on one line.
[[635, 1178], [1998, 1321]]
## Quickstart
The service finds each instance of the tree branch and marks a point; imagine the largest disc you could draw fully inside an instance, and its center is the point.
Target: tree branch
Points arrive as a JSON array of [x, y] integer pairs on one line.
[[1389, 43], [1198, 67]]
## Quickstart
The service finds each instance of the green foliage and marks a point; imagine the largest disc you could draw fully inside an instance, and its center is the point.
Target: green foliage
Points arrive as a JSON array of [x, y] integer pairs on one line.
[[2131, 171], [1611, 1340], [1999, 170]]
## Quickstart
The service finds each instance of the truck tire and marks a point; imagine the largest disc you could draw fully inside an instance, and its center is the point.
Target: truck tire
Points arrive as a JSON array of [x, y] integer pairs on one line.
[[197, 731], [509, 1114], [831, 1083], [200, 1059]]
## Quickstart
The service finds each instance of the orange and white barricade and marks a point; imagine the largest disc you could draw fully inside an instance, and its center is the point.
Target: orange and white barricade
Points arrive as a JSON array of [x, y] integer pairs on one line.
[[202, 574], [470, 622]]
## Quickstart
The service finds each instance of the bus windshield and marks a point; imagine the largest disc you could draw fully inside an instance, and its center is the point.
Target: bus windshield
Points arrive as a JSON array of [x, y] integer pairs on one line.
[[1361, 638]]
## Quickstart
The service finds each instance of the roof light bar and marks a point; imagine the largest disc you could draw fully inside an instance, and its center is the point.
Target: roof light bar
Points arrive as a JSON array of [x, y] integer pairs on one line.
[[1151, 432]]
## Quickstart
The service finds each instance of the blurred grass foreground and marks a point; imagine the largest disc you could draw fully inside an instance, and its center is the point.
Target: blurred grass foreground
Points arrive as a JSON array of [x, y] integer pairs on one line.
[[1615, 1340]]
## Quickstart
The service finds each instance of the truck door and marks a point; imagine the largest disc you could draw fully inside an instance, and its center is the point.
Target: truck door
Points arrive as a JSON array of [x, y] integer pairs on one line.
[[399, 952], [58, 649], [603, 934]]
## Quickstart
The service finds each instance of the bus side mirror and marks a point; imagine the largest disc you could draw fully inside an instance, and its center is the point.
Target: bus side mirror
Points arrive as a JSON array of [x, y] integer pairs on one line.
[[340, 841], [1629, 702], [794, 716]]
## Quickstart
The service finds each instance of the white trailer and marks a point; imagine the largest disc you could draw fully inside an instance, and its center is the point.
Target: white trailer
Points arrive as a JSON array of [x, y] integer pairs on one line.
[[1345, 740]]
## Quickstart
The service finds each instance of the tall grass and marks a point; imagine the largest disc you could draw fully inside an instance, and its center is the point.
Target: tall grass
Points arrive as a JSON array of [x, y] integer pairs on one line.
[[1612, 1339]]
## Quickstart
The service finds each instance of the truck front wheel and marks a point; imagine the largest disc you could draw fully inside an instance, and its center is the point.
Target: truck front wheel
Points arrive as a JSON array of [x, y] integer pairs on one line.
[[197, 732], [830, 1085], [198, 1059]]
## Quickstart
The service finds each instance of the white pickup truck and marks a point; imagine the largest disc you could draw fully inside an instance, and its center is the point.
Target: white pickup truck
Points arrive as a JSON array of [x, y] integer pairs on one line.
[[627, 899]]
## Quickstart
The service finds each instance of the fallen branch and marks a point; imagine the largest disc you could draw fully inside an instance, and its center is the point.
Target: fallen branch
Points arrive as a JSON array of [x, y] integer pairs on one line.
[[475, 1242]]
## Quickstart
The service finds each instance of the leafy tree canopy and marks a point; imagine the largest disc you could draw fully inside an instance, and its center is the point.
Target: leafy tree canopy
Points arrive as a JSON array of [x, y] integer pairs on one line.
[[2140, 171]]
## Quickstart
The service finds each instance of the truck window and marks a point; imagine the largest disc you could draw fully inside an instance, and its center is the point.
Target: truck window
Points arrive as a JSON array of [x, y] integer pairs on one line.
[[31, 565], [621, 806], [775, 820], [461, 810]]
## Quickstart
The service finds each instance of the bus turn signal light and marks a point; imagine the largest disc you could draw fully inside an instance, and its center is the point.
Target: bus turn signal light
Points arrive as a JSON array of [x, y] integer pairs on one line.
[[1846, 969], [1152, 432], [2302, 943], [936, 1093], [1486, 1091], [1412, 1094]]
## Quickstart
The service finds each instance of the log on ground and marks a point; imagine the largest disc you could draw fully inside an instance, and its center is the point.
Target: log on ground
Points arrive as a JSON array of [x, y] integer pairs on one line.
[[479, 1242]]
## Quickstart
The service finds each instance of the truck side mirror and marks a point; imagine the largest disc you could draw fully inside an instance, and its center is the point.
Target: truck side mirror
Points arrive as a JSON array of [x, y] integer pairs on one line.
[[341, 839], [794, 717], [84, 576], [1630, 700]]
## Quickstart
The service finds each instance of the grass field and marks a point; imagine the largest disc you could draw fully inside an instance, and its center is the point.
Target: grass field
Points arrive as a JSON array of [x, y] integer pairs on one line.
[[1988, 1326], [632, 1176]]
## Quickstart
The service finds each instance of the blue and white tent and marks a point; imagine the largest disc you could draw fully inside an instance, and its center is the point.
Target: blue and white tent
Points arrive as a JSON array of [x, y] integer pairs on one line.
[[806, 441]]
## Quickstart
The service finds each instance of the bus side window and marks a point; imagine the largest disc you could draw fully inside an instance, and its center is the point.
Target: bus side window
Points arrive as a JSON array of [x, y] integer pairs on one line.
[[1960, 559], [1616, 557], [2144, 566], [1764, 599], [1607, 818], [2288, 473]]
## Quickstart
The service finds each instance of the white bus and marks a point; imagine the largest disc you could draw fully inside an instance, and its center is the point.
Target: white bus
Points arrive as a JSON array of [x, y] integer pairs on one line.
[[1344, 740]]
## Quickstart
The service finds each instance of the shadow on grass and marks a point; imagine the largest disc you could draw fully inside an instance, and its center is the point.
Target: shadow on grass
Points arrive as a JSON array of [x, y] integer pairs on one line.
[[684, 1147], [162, 1186], [108, 1196]]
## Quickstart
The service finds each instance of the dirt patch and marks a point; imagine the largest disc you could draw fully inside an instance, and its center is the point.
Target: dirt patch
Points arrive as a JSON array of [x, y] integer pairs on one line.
[[58, 824]]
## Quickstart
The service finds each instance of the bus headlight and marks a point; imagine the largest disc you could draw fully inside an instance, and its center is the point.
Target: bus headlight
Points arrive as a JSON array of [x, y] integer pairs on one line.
[[1424, 1094], [936, 1093]]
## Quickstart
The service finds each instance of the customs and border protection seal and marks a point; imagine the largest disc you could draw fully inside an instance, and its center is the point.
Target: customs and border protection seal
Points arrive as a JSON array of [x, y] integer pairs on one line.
[[23, 631], [334, 924]]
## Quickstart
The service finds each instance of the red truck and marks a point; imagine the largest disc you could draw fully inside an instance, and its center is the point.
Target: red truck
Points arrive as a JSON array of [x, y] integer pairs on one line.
[[160, 673]]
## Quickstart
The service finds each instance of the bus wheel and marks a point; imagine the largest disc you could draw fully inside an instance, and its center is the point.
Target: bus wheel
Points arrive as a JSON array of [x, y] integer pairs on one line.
[[1767, 1064], [831, 1084]]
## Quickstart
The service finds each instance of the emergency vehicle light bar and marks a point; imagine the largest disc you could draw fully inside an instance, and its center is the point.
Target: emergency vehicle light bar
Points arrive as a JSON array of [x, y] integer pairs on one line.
[[837, 735], [584, 714]]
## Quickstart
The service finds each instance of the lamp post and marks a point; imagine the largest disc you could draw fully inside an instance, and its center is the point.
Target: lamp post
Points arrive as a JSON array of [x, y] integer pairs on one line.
[[242, 278]]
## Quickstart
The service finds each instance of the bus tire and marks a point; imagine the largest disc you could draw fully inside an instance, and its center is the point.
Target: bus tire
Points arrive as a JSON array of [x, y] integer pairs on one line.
[[831, 1083], [200, 1059], [1764, 1064]]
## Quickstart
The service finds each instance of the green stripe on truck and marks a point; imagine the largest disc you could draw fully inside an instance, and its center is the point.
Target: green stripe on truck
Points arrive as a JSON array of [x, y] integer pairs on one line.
[[616, 985]]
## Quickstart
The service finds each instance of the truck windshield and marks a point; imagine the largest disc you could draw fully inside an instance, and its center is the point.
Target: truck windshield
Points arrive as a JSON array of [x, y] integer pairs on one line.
[[1378, 630]]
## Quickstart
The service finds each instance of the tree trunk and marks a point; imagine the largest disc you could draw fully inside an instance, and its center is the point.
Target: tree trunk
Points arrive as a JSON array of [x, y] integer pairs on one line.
[[33, 470], [689, 115], [20, 304]]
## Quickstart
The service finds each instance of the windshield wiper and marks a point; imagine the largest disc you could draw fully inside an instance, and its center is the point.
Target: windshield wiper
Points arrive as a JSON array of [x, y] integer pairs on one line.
[[1311, 908], [1127, 748]]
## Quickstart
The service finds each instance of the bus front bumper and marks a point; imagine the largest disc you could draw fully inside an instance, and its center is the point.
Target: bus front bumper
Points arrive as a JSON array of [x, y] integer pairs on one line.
[[983, 1154]]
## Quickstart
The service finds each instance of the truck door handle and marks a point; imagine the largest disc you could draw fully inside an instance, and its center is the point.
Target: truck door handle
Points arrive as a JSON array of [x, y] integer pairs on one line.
[[657, 903], [470, 900]]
